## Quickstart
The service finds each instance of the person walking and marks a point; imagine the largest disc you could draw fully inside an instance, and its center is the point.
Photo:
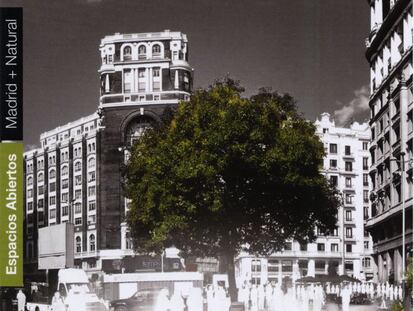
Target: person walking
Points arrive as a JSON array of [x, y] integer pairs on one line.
[[21, 300]]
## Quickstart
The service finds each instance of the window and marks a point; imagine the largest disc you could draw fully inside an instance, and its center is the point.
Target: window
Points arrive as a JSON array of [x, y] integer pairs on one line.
[[52, 174], [52, 187], [91, 176], [92, 243], [366, 262], [348, 198], [366, 196], [348, 248], [78, 194], [127, 53], [365, 179], [333, 180], [65, 183], [156, 49], [334, 247], [287, 266], [78, 166], [321, 247], [30, 193], [65, 197], [127, 85], [366, 212], [364, 145], [333, 148], [65, 210], [347, 150], [348, 166], [348, 182], [78, 180], [141, 73], [320, 265], [92, 205], [365, 163], [304, 247], [156, 72], [366, 245], [273, 265], [52, 200], [91, 219], [333, 163], [65, 170], [348, 215], [256, 265], [52, 213], [78, 244], [91, 191], [40, 203], [40, 190], [78, 221], [78, 208], [30, 181], [30, 206], [91, 163], [40, 177], [348, 232], [349, 265], [142, 50]]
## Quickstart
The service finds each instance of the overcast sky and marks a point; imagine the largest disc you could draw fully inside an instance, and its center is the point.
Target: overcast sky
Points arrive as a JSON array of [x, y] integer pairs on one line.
[[312, 49]]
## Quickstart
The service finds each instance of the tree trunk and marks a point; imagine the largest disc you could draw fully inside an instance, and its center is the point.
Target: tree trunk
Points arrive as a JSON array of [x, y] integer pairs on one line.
[[227, 266]]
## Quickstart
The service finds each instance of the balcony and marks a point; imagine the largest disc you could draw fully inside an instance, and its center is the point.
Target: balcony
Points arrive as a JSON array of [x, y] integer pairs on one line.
[[348, 156], [349, 220]]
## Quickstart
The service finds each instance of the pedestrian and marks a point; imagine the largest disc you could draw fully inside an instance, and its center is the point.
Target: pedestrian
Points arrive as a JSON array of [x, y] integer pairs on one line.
[[21, 300], [57, 303], [346, 298]]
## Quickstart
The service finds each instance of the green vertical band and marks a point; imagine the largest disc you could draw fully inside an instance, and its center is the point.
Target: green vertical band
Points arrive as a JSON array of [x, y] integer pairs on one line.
[[11, 214]]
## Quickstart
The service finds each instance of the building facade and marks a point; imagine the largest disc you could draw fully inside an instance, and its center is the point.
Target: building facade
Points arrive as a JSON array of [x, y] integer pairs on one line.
[[390, 56], [346, 250], [76, 173]]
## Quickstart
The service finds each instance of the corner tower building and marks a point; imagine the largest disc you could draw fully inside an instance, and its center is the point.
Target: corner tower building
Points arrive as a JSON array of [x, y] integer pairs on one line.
[[390, 56], [75, 175]]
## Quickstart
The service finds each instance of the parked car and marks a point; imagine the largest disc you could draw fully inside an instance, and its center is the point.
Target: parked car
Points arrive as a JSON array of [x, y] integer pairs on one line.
[[142, 300]]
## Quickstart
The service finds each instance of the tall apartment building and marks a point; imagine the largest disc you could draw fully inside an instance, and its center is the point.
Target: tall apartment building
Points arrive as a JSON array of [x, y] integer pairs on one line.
[[76, 174], [390, 55], [346, 250]]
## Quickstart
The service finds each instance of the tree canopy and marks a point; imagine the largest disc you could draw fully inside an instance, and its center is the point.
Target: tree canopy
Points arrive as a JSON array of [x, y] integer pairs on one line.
[[225, 174]]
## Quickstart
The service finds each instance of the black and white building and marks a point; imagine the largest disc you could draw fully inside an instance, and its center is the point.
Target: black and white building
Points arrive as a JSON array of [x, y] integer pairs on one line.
[[75, 174]]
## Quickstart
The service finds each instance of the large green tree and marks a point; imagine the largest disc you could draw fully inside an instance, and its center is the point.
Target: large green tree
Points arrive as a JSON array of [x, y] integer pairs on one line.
[[225, 174]]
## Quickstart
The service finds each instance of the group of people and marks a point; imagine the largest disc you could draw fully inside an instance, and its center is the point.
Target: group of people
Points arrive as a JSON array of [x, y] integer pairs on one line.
[[384, 290], [177, 302], [271, 297]]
